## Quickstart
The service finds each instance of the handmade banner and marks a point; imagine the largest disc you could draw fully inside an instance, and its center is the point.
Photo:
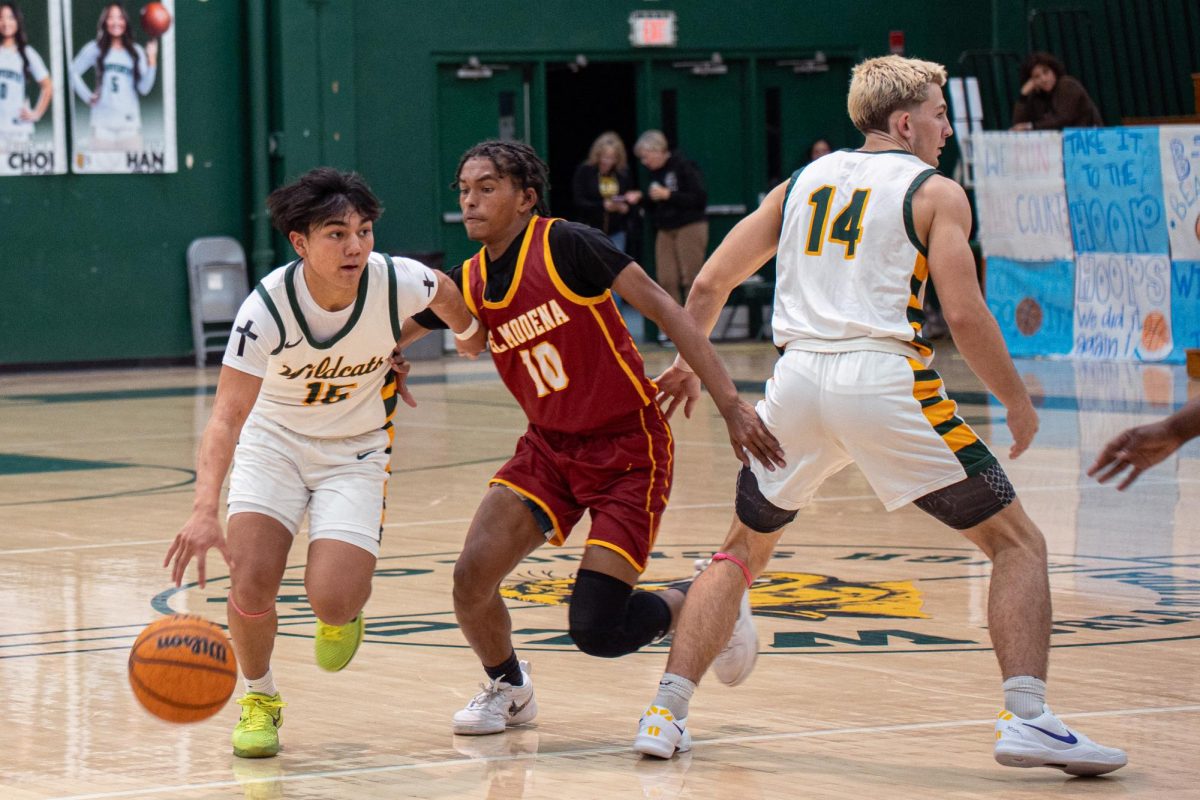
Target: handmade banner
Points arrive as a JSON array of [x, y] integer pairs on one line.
[[1185, 306], [1021, 196], [1032, 301], [1180, 145], [1115, 190], [1122, 306], [33, 138], [123, 81]]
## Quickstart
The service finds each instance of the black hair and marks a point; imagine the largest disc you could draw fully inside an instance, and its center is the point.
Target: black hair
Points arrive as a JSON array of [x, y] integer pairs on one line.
[[1040, 59], [105, 43], [515, 160], [318, 196], [21, 39]]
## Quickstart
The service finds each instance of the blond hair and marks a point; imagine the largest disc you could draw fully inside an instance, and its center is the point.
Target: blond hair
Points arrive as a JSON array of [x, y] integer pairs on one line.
[[651, 140], [609, 140], [879, 86]]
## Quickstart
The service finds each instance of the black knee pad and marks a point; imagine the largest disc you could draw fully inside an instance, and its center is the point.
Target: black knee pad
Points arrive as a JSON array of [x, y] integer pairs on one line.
[[755, 511], [972, 501], [609, 619]]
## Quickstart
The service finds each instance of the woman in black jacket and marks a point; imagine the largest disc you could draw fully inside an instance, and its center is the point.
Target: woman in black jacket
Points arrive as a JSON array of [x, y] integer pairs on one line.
[[600, 187]]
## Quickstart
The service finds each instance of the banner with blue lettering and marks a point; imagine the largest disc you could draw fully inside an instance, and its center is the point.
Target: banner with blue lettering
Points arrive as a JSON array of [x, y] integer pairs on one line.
[[1123, 306], [1180, 145], [121, 70], [33, 123], [1020, 195], [1185, 306], [1032, 301]]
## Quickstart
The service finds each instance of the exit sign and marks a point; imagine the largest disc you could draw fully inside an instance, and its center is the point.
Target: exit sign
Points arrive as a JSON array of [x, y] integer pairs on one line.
[[652, 29]]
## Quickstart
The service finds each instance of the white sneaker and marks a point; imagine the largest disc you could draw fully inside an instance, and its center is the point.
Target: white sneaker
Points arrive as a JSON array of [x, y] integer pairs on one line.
[[735, 663], [497, 707], [1046, 742], [661, 735]]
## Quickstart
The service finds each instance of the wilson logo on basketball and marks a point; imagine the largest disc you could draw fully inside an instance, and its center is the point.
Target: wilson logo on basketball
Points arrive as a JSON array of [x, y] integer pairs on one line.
[[198, 645]]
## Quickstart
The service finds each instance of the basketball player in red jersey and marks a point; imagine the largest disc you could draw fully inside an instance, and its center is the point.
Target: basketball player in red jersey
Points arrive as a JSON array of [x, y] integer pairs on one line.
[[597, 441]]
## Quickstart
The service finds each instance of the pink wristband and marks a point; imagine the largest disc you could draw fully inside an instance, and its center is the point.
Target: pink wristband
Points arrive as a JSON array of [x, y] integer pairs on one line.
[[745, 570]]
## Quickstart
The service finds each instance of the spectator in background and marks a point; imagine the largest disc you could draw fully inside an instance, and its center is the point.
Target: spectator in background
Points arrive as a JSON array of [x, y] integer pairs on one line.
[[1050, 99], [676, 200], [819, 147], [600, 188]]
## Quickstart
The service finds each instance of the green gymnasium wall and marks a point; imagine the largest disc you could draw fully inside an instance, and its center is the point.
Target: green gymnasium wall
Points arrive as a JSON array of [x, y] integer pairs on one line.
[[93, 266]]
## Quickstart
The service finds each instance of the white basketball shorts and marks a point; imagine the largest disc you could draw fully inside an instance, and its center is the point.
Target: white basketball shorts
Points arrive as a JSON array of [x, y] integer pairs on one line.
[[340, 482], [885, 412]]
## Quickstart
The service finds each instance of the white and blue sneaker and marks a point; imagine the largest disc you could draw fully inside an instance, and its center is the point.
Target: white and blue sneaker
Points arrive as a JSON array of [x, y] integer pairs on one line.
[[661, 735], [1045, 741]]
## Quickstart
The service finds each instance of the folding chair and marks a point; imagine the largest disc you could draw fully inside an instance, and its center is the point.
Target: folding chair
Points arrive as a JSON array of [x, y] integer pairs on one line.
[[217, 283]]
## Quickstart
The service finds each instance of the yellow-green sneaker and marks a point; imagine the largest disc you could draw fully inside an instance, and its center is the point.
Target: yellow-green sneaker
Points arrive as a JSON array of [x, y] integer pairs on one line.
[[337, 644], [257, 732]]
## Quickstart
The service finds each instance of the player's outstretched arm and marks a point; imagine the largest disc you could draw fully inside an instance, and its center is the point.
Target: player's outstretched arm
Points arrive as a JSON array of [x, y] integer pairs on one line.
[[236, 393], [1138, 449], [941, 204], [747, 434], [470, 338]]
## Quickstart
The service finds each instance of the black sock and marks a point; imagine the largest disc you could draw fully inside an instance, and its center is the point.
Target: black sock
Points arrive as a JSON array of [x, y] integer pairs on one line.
[[509, 671]]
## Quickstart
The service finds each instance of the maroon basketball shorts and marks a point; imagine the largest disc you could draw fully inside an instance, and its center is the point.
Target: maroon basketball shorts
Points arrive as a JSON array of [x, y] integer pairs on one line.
[[621, 475]]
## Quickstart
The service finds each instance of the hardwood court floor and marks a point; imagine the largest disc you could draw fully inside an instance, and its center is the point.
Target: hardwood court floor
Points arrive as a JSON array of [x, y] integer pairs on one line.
[[875, 676]]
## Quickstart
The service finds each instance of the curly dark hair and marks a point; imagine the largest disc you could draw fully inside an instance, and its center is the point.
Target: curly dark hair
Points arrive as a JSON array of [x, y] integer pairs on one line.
[[515, 160], [1040, 59], [318, 196]]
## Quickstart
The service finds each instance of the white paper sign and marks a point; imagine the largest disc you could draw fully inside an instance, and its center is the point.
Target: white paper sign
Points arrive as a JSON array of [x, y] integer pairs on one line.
[[1179, 148], [1021, 195], [1123, 306]]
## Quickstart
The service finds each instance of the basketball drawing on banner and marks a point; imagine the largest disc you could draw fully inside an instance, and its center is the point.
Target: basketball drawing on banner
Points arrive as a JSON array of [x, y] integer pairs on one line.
[[1021, 195], [1123, 306], [1032, 302], [1180, 148], [32, 119], [122, 73]]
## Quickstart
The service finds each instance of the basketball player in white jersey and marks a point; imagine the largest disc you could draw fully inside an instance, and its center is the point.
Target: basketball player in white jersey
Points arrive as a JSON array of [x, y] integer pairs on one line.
[[307, 395], [856, 234], [17, 61], [123, 71]]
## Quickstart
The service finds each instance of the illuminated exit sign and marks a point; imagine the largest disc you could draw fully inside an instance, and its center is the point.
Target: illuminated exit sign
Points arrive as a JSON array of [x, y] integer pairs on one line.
[[652, 29]]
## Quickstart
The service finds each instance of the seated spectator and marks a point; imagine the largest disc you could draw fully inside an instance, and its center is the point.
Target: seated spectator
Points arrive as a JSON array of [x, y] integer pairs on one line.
[[1050, 99], [819, 147], [601, 186]]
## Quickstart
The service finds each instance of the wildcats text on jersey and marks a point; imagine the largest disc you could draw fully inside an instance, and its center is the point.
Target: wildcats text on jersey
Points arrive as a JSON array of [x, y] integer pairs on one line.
[[526, 327], [323, 369]]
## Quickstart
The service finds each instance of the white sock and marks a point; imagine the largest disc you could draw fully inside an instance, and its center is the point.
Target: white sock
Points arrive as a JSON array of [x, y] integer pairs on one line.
[[1024, 696], [264, 685], [674, 692]]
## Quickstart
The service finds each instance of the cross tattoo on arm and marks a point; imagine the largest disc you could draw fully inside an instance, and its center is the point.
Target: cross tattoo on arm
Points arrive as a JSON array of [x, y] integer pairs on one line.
[[245, 332], [428, 284]]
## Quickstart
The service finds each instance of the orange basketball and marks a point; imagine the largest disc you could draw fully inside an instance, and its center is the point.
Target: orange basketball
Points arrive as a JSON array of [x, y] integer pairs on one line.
[[1154, 332], [156, 20], [182, 668]]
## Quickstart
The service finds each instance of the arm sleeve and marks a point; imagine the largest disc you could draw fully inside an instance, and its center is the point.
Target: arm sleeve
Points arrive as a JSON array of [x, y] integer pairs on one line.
[[1021, 111], [586, 259], [147, 72], [430, 320], [37, 67], [691, 192], [415, 286], [585, 189], [250, 351], [84, 60], [1070, 107]]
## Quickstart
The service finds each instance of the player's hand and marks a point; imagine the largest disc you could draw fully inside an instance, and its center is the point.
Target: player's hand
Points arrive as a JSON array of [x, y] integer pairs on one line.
[[1137, 449], [201, 532], [152, 52], [750, 437], [401, 366], [474, 345], [95, 99], [677, 386], [1023, 425], [27, 115]]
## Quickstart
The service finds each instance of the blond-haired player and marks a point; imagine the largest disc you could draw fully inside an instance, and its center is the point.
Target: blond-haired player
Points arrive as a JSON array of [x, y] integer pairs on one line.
[[856, 234]]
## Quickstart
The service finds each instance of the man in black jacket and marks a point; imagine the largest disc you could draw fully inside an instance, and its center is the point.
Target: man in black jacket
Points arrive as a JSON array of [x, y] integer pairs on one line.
[[676, 200]]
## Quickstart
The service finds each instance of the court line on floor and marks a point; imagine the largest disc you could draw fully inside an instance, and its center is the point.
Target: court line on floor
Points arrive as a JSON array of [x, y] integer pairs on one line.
[[597, 751]]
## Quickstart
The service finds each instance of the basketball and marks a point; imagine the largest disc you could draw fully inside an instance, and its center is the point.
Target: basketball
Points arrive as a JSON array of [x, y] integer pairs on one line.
[[1029, 316], [156, 20], [182, 668], [1154, 332]]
